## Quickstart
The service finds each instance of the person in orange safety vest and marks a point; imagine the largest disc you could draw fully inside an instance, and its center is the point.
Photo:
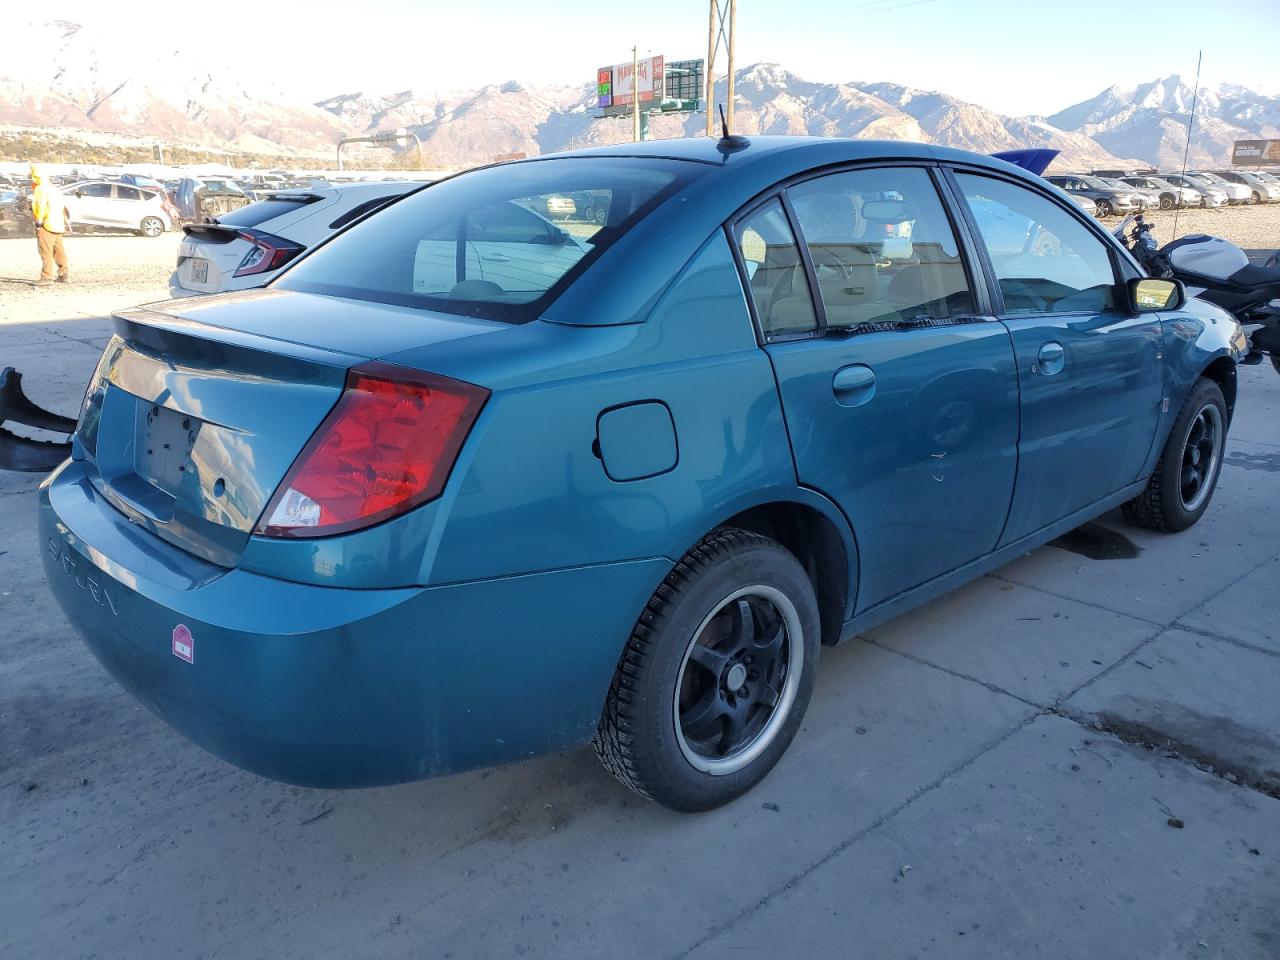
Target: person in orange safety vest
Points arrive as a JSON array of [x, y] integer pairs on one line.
[[48, 210]]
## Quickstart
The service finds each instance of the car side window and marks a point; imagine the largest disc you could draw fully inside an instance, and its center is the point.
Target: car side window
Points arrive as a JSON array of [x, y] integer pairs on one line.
[[127, 193], [776, 276], [1045, 260], [95, 190], [882, 248]]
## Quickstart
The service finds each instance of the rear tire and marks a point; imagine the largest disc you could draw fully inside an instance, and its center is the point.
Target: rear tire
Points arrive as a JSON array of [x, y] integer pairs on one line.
[[151, 227], [715, 679], [1186, 475]]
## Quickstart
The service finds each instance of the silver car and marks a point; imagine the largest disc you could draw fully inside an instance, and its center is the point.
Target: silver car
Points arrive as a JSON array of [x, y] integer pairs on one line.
[[1170, 195], [1259, 190], [1236, 192], [1210, 195]]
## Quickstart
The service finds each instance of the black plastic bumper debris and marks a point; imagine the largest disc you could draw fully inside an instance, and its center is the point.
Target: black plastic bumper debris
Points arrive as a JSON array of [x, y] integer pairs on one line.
[[24, 453]]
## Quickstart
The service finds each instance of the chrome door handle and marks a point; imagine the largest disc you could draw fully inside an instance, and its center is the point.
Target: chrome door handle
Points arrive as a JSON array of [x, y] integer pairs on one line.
[[854, 385], [1051, 359]]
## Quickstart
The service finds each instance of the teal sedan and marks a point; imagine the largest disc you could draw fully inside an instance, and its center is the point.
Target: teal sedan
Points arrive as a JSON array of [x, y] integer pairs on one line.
[[466, 484]]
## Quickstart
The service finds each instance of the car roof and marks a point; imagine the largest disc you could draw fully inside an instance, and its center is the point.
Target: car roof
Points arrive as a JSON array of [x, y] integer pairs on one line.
[[787, 155], [366, 186]]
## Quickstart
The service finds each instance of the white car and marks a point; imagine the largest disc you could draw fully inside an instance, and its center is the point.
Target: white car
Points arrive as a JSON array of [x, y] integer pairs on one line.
[[1236, 192], [1210, 195], [119, 206], [249, 246]]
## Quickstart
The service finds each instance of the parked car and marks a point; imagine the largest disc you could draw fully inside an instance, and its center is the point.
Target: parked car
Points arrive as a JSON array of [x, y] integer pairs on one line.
[[383, 520], [1084, 203], [247, 247], [1121, 174], [117, 206], [204, 198], [1260, 191], [1147, 199], [15, 212], [1108, 199], [155, 186], [1236, 192], [1169, 195], [559, 207], [1211, 195]]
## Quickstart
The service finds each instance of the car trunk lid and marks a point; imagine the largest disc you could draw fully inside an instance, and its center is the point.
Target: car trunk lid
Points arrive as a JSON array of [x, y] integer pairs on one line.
[[197, 410]]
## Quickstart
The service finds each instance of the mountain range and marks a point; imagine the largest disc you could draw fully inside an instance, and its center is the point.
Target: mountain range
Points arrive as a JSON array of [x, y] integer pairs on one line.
[[59, 74]]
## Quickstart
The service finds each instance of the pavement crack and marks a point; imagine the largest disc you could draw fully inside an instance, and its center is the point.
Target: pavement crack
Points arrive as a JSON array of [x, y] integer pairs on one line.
[[797, 878], [1083, 603], [985, 684], [1234, 641]]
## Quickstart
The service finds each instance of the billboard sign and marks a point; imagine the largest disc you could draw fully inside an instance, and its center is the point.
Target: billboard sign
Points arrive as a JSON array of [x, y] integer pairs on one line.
[[616, 86], [1252, 153]]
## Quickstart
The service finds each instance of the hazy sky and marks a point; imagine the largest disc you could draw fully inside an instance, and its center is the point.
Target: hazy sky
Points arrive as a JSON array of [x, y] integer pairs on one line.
[[1016, 56]]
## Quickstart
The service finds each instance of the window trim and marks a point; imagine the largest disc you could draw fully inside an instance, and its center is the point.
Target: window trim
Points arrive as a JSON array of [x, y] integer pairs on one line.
[[977, 271], [1110, 244]]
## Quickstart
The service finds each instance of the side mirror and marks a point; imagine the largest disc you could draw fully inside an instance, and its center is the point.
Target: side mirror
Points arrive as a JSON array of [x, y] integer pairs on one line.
[[79, 193], [1151, 294]]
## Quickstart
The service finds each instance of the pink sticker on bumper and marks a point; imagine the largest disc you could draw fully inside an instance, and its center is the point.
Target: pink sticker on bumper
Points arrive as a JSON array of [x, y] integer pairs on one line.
[[184, 645]]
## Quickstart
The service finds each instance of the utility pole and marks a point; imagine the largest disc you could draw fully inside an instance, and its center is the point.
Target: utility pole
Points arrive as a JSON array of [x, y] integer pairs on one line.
[[733, 21], [710, 66], [715, 32], [635, 97]]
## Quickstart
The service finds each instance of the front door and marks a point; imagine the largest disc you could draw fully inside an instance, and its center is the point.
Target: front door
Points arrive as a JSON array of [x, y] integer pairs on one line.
[[1090, 374], [93, 204], [901, 404]]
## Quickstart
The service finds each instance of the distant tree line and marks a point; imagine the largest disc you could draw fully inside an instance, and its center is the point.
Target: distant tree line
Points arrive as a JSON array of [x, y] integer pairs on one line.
[[51, 148]]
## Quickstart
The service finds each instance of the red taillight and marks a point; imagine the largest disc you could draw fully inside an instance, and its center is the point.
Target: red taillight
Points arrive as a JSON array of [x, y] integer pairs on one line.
[[387, 447], [268, 253]]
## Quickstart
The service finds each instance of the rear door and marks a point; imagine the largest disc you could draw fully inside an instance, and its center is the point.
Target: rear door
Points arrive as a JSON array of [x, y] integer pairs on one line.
[[1090, 374], [126, 206], [900, 397]]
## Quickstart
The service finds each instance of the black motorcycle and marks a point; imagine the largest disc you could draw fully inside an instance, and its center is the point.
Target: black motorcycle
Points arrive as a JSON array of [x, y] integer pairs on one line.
[[1219, 272]]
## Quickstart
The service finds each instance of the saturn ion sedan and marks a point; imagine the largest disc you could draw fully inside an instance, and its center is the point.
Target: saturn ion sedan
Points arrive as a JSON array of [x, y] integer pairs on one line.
[[465, 485]]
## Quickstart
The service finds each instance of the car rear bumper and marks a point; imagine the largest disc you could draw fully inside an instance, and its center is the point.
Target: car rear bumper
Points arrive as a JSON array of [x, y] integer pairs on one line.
[[331, 687]]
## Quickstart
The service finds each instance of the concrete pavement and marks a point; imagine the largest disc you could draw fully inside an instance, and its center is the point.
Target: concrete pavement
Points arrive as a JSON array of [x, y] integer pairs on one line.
[[1073, 757]]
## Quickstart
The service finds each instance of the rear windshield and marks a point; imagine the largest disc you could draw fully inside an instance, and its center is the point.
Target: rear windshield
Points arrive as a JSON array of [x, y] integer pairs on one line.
[[255, 213], [501, 242]]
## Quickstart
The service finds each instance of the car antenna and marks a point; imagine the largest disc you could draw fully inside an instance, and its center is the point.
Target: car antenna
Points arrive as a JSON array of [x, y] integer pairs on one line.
[[729, 142]]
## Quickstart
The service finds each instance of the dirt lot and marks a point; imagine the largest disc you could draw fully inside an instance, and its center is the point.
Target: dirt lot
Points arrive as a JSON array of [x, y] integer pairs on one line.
[[1076, 756]]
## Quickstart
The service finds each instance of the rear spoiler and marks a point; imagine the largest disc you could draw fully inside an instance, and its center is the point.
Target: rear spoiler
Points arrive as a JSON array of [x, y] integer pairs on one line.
[[1036, 160], [211, 232], [24, 453]]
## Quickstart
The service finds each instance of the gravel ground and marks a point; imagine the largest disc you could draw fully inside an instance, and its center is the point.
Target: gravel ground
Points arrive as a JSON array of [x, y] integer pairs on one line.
[[1248, 227], [107, 273]]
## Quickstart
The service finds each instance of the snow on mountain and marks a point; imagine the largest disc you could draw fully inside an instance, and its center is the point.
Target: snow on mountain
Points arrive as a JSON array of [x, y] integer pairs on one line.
[[1150, 121], [60, 74]]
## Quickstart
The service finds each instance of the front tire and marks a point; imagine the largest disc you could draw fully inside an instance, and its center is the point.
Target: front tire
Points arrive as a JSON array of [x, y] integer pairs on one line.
[[716, 677], [151, 227], [1104, 207], [1166, 202], [1186, 475]]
